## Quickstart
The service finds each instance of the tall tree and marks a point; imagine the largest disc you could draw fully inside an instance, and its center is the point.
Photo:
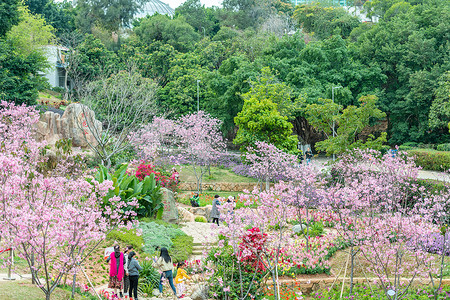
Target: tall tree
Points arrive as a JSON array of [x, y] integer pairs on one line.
[[260, 120], [9, 15], [22, 58], [109, 14], [412, 54]]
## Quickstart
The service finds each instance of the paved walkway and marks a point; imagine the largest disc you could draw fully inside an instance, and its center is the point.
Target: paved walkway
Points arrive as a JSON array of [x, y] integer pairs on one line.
[[423, 174]]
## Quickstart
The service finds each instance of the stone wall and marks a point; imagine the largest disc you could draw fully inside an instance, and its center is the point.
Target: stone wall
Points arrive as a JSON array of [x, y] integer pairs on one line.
[[73, 124], [219, 186]]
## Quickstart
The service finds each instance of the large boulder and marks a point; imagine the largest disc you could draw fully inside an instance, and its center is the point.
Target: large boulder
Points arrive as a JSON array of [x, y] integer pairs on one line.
[[200, 293], [77, 123], [170, 213], [204, 211], [299, 228], [185, 215]]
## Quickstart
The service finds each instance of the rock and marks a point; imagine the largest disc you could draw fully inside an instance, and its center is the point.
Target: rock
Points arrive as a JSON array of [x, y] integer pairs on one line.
[[204, 211], [299, 228], [185, 215], [170, 213], [156, 292], [73, 124], [201, 293]]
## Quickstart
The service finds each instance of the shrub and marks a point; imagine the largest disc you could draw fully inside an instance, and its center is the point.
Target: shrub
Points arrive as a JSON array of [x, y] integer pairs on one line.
[[156, 235], [435, 244], [363, 292], [128, 237], [227, 272], [443, 147], [128, 188], [431, 159], [182, 248], [316, 229], [149, 278], [163, 178], [200, 219]]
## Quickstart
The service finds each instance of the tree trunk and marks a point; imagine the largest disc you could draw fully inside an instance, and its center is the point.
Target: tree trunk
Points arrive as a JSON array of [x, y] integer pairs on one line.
[[33, 276], [73, 284]]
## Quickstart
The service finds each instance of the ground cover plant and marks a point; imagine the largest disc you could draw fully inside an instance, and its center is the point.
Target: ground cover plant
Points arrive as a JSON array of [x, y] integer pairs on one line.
[[366, 292]]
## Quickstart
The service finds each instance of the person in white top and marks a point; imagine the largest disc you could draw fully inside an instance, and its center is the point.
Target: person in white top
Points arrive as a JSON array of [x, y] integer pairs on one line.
[[126, 277], [165, 266]]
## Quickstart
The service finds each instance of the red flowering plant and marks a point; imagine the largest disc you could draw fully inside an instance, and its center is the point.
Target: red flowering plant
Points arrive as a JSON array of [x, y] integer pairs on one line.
[[162, 178], [251, 248]]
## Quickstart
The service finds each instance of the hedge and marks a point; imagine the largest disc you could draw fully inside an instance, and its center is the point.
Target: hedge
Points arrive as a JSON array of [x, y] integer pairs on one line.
[[431, 159]]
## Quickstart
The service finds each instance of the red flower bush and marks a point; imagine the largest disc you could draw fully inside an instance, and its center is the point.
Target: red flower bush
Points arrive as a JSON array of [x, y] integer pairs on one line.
[[170, 182], [252, 247]]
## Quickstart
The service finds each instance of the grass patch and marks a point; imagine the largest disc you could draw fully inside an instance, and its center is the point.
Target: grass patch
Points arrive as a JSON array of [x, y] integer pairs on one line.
[[182, 248], [128, 237], [25, 290], [207, 197], [218, 174]]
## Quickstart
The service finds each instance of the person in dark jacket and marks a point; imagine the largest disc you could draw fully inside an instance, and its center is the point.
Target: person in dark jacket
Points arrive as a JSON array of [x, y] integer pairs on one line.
[[215, 214], [133, 271]]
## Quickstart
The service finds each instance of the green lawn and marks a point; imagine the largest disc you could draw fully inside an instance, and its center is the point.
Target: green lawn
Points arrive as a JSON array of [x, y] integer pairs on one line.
[[24, 290], [217, 175], [207, 197]]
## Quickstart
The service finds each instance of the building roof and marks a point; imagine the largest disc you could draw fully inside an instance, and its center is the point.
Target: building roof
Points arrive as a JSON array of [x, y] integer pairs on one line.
[[155, 6]]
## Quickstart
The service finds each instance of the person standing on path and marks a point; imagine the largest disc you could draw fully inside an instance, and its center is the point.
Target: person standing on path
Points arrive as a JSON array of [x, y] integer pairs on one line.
[[116, 270], [309, 156], [133, 270], [181, 278], [165, 266], [126, 277], [215, 214]]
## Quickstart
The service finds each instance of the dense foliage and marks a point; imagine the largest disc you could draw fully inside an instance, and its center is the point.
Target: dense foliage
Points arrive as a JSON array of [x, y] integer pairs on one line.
[[220, 53]]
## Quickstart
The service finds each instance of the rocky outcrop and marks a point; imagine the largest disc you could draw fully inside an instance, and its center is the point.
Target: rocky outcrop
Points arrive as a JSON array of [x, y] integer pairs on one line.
[[204, 211], [170, 213], [77, 123]]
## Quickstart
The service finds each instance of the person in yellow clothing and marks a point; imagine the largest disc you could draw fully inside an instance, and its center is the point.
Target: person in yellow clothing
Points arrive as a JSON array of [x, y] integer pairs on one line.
[[180, 278]]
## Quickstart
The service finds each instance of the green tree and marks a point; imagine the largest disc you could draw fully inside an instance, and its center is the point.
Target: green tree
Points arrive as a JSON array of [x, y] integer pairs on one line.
[[323, 21], [440, 109], [203, 19], [175, 32], [31, 33], [9, 15], [410, 44], [60, 15], [109, 14], [260, 119], [347, 124], [22, 58]]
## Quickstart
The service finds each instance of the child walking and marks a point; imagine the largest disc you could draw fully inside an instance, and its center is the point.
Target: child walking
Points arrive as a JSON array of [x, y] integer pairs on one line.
[[165, 266], [181, 278]]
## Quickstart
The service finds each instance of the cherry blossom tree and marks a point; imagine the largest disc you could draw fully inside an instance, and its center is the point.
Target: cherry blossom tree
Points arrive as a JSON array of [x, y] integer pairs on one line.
[[370, 193], [156, 141], [268, 163], [194, 139], [54, 223], [201, 142]]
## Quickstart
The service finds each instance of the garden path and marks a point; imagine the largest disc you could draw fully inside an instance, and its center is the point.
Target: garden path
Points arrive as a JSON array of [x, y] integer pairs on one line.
[[423, 174]]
